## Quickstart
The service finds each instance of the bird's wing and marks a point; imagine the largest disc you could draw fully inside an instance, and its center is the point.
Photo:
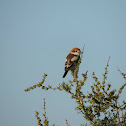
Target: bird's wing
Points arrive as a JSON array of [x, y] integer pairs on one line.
[[72, 59]]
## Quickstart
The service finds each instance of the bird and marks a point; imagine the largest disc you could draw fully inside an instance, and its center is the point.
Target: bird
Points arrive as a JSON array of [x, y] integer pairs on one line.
[[72, 60]]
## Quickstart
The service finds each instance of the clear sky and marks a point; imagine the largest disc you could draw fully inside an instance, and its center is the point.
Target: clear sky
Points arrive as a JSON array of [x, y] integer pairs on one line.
[[35, 38]]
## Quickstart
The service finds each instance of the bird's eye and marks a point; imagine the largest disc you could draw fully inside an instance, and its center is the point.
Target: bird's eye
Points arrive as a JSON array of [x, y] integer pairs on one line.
[[75, 51]]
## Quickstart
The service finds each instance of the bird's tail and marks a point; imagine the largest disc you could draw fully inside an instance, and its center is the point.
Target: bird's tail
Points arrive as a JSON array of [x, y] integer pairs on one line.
[[65, 74]]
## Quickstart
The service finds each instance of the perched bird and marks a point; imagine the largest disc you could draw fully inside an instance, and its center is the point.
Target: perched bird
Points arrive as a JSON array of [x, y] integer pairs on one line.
[[72, 60]]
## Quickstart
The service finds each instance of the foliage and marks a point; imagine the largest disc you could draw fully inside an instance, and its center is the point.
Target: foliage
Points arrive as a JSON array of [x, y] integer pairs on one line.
[[45, 122], [100, 107]]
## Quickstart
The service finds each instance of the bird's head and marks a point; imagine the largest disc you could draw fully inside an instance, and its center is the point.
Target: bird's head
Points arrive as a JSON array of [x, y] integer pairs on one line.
[[75, 51]]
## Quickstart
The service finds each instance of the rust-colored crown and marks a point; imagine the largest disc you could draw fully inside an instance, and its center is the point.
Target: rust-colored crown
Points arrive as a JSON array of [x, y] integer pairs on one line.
[[74, 49]]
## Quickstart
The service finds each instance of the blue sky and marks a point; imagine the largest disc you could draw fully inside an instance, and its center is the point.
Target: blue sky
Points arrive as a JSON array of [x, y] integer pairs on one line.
[[35, 38]]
